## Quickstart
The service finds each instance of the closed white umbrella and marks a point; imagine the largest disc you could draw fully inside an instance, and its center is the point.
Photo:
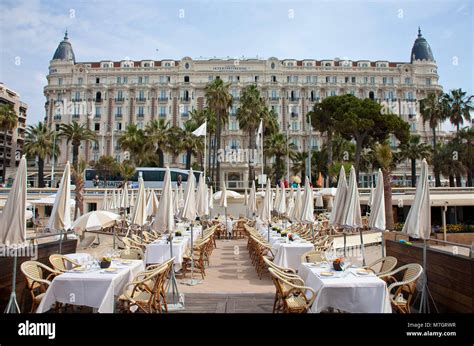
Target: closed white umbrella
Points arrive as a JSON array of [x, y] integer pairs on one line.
[[290, 204], [95, 220], [117, 199], [277, 198], [105, 201], [298, 208], [370, 200], [281, 206], [180, 197], [132, 198], [377, 212], [164, 217], [352, 215], [337, 212], [13, 225], [189, 206], [211, 201], [139, 212], [330, 203], [418, 222], [307, 214], [124, 202], [60, 218], [319, 201], [222, 195], [202, 206], [152, 204], [266, 213], [252, 204]]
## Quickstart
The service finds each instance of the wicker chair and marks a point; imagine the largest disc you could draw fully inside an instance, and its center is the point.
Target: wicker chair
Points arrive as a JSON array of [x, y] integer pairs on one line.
[[388, 264], [402, 296], [313, 256], [60, 263], [36, 284], [293, 296]]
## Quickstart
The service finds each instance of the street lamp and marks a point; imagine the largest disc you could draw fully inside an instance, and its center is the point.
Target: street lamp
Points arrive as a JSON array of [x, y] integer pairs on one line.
[[287, 154], [53, 159]]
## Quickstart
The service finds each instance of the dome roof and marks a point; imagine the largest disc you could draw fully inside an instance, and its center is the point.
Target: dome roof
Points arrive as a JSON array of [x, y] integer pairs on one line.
[[64, 50], [421, 49]]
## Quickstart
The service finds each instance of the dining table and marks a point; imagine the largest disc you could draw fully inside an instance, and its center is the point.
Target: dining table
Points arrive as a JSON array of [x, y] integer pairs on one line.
[[353, 290], [91, 286]]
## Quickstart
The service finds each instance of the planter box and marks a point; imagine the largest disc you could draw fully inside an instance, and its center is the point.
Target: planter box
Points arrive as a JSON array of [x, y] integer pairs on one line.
[[461, 238]]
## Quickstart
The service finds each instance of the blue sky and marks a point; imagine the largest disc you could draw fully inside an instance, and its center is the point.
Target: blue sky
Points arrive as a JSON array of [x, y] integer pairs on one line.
[[30, 31]]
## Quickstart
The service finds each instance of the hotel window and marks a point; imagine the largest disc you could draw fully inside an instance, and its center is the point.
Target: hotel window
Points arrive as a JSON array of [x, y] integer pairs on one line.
[[118, 110], [274, 79], [80, 80], [384, 80], [275, 110], [141, 95], [295, 79], [125, 80], [372, 80], [256, 79], [308, 79], [353, 80], [97, 112], [141, 112], [97, 127], [234, 144], [390, 80], [428, 81], [413, 127], [146, 79], [118, 126], [407, 80], [162, 94], [162, 79], [119, 95], [77, 96], [97, 80], [186, 79], [334, 79], [117, 157], [60, 81], [274, 95], [328, 79], [230, 78], [346, 80], [366, 80], [185, 111], [140, 125], [140, 80], [163, 111], [314, 144], [233, 125], [210, 78], [295, 125], [332, 93]]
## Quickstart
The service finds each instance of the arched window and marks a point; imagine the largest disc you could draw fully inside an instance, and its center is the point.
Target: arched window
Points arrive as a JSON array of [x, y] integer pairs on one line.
[[98, 96], [186, 79], [371, 95]]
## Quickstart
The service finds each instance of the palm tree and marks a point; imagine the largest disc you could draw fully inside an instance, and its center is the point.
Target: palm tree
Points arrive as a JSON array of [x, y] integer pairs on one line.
[[219, 100], [105, 167], [448, 165], [414, 150], [190, 143], [433, 111], [466, 139], [459, 107], [277, 146], [174, 145], [126, 170], [249, 114], [299, 160], [199, 116], [75, 134], [158, 132], [134, 140], [39, 144], [384, 157], [8, 121]]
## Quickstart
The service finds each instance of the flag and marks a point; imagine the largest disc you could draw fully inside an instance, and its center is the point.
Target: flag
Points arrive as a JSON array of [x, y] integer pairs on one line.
[[320, 181], [201, 130]]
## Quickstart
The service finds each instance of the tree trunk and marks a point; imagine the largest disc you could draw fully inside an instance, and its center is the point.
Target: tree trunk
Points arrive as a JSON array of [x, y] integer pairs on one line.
[[277, 168], [469, 178], [40, 172], [435, 168], [75, 154], [4, 171], [79, 182], [209, 155], [458, 180], [413, 173], [161, 157], [387, 187], [357, 158], [252, 146], [218, 134], [451, 181], [189, 155], [329, 146]]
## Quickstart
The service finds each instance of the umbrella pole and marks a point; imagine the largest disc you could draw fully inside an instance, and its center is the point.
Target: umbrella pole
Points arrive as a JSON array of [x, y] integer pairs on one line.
[[192, 281], [226, 230], [383, 244], [60, 240], [12, 307], [268, 233], [114, 239], [362, 247], [345, 242], [173, 283]]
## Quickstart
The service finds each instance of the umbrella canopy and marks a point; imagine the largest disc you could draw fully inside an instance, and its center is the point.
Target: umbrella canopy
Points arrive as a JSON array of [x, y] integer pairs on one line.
[[50, 200], [290, 203], [132, 197], [113, 201], [281, 206], [180, 197], [352, 215], [252, 204], [175, 201], [266, 212], [202, 206], [337, 211], [95, 220], [124, 202], [370, 200], [60, 218], [222, 197], [189, 208], [377, 211], [418, 222], [105, 201], [330, 203], [152, 204], [211, 199], [164, 217], [319, 201], [13, 217], [139, 212], [298, 208], [229, 194], [277, 198], [307, 214]]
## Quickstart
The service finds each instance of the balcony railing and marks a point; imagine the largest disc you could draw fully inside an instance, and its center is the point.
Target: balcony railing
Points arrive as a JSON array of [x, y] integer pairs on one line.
[[119, 99], [57, 117], [118, 116], [162, 99], [140, 99]]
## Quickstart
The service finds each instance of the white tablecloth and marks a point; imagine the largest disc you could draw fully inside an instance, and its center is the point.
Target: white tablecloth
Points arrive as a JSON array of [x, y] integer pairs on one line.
[[346, 291], [288, 255], [159, 251], [95, 288]]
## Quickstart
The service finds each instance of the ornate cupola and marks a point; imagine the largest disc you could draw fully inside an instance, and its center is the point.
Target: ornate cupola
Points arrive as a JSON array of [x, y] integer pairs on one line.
[[64, 50], [421, 49]]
